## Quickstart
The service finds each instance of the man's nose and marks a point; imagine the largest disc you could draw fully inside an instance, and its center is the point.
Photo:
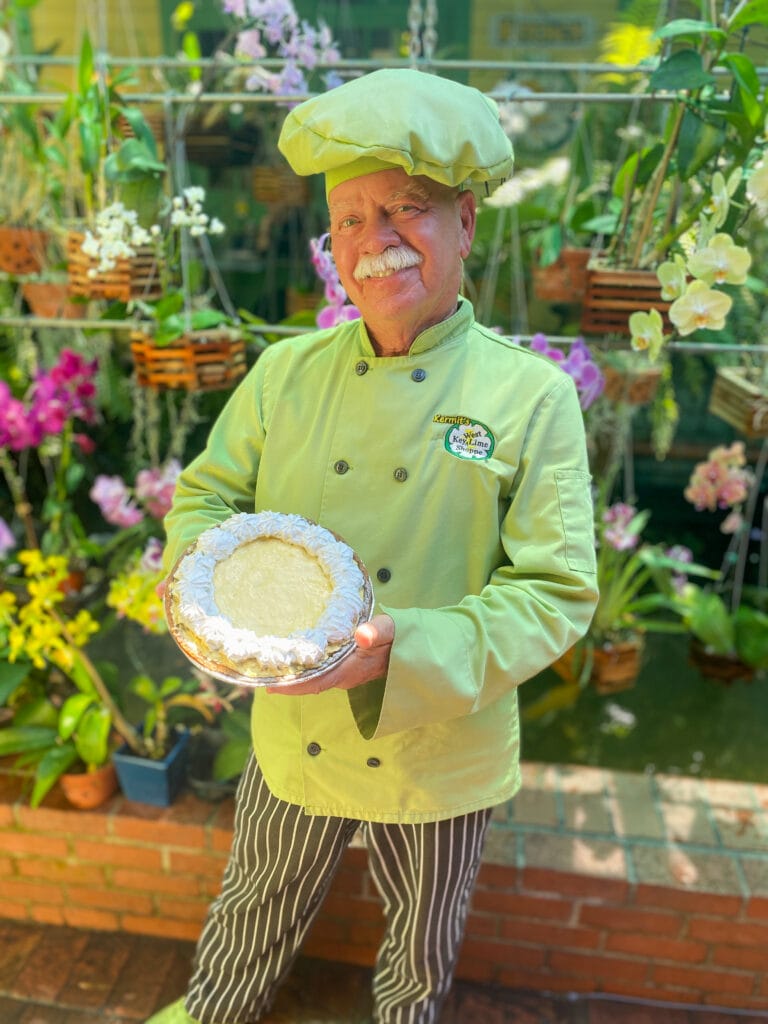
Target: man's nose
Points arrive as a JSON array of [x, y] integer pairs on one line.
[[379, 235]]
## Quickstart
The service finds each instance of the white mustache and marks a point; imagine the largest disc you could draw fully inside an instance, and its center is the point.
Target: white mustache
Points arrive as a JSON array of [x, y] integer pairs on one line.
[[392, 259]]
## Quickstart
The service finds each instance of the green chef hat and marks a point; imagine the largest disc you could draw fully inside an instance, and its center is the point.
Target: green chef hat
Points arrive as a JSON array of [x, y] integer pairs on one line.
[[398, 118]]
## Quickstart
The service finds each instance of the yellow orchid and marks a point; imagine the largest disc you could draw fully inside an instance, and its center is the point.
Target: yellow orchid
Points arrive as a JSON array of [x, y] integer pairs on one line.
[[721, 262], [700, 307], [647, 330], [672, 275], [722, 193], [757, 185]]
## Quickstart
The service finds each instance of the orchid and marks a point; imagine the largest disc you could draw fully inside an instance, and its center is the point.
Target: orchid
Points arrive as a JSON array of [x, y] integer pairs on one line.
[[722, 481], [647, 331], [721, 262], [337, 310], [586, 374], [133, 591], [700, 307], [153, 490], [672, 277], [274, 28], [757, 187]]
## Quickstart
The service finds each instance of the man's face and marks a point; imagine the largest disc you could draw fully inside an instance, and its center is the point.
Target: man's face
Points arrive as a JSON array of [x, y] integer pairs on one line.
[[398, 242]]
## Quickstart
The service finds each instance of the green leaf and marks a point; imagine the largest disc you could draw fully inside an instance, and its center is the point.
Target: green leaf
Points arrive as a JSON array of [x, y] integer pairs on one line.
[[11, 678], [748, 87], [85, 66], [680, 27], [90, 146], [755, 12], [145, 688], [711, 623], [168, 305], [230, 759], [23, 739], [40, 711], [50, 769], [698, 143], [682, 70], [92, 736], [140, 128], [202, 319], [72, 710], [751, 636]]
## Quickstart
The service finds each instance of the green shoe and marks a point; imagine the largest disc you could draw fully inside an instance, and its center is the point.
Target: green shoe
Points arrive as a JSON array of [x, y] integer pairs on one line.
[[172, 1014]]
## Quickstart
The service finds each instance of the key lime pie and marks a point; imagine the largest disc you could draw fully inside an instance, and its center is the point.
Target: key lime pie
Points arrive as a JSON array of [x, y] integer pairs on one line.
[[267, 595]]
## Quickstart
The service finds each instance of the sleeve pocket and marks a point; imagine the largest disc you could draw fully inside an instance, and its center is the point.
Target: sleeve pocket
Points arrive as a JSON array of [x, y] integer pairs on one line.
[[574, 496]]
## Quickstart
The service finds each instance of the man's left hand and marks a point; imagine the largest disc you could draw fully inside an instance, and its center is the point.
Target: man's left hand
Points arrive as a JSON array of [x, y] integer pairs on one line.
[[369, 660]]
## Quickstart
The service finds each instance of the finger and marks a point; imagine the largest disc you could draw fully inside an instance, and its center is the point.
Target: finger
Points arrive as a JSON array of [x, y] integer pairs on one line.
[[379, 631]]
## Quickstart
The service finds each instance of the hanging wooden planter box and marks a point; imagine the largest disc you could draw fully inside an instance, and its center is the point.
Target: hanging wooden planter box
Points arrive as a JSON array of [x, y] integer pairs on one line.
[[739, 402], [565, 280], [22, 250], [279, 186], [199, 361], [612, 296], [135, 278]]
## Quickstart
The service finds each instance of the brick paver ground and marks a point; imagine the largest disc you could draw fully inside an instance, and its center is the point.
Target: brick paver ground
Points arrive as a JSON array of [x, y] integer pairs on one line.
[[55, 975]]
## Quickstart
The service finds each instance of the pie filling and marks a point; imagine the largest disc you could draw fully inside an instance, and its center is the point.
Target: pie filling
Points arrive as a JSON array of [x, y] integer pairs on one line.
[[267, 594]]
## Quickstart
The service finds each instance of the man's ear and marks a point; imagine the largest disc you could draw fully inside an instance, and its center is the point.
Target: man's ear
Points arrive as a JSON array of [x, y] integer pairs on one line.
[[468, 218]]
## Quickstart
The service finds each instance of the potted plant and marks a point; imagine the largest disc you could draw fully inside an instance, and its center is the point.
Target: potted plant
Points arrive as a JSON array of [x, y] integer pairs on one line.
[[636, 581], [728, 621]]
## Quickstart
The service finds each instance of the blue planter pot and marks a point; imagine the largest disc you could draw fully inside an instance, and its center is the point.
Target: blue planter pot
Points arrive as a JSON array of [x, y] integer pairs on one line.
[[152, 782]]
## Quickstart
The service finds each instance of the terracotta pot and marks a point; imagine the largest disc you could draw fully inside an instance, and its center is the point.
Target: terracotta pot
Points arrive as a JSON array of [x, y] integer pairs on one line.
[[721, 668], [615, 667], [89, 789], [22, 250], [565, 280], [739, 401]]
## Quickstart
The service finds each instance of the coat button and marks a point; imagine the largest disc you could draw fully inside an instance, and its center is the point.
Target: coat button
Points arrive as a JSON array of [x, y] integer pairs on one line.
[[400, 474], [341, 467], [418, 375], [361, 368], [383, 575], [373, 762], [313, 749]]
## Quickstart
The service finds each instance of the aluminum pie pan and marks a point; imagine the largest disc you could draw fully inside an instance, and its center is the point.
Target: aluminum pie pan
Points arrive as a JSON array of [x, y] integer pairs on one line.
[[226, 674]]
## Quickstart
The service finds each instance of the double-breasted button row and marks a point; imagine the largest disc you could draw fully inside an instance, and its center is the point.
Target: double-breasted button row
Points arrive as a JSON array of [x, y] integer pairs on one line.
[[313, 749]]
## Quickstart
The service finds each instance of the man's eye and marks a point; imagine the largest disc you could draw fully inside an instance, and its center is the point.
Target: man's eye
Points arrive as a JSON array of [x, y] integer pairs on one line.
[[347, 222]]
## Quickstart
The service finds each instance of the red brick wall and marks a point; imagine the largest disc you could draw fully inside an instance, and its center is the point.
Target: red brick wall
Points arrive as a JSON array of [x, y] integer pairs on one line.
[[142, 870]]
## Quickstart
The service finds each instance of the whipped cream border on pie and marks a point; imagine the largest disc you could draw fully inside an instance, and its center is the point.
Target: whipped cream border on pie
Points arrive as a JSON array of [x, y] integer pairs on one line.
[[213, 635]]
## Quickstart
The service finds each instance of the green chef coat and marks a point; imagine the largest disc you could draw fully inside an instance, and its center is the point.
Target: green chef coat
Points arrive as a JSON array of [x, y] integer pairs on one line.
[[459, 475]]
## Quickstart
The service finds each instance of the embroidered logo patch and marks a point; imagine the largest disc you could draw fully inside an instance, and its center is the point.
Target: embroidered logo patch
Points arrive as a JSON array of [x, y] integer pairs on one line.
[[466, 438]]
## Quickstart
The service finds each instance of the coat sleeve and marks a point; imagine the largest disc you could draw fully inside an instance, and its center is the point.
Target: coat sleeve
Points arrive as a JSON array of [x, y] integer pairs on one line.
[[452, 661], [221, 480]]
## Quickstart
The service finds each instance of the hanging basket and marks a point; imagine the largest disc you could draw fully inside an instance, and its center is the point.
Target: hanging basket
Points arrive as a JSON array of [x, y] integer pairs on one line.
[[199, 361], [279, 186], [720, 668], [739, 402], [50, 299], [633, 385], [612, 296], [565, 280], [22, 250], [135, 278]]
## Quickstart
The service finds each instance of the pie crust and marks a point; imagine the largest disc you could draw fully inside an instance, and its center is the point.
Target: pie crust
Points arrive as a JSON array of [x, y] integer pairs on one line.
[[267, 596]]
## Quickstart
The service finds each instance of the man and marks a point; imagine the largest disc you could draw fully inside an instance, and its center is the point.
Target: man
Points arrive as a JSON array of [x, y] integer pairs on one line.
[[454, 463]]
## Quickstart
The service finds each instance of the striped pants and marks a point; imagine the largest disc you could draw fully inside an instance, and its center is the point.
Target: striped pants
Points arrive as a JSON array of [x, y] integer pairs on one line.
[[281, 865]]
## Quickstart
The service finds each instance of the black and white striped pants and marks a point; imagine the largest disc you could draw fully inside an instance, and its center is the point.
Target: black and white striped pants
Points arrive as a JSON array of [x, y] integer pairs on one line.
[[280, 867]]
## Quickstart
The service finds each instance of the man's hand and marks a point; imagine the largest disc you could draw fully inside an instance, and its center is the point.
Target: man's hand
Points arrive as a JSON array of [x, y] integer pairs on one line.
[[369, 660]]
